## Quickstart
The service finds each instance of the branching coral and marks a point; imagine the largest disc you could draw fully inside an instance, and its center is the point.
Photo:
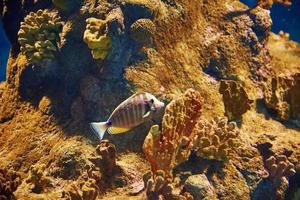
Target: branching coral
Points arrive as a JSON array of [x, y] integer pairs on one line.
[[214, 139], [38, 36], [267, 4], [67, 5], [235, 98], [158, 186], [282, 95], [142, 30], [167, 148], [279, 168], [9, 181]]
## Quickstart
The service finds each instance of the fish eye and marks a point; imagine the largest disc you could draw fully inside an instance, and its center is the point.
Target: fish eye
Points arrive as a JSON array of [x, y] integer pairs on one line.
[[151, 100]]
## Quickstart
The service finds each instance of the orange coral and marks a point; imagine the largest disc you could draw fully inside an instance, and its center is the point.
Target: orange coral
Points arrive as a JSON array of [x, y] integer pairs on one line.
[[167, 148]]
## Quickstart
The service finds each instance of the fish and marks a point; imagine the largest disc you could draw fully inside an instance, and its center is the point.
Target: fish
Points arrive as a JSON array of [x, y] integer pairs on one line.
[[137, 109]]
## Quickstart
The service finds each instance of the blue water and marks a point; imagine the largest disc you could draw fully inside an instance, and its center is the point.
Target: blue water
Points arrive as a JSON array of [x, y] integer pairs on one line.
[[4, 52], [284, 18]]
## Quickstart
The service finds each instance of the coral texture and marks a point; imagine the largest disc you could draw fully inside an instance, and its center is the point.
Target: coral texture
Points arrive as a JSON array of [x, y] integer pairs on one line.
[[158, 186], [267, 4], [282, 95], [279, 168], [96, 38], [142, 30], [171, 146], [214, 139], [9, 181], [38, 36], [235, 98]]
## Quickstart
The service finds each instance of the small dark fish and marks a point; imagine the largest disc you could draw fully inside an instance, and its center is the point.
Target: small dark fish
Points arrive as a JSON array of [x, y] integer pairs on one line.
[[133, 111]]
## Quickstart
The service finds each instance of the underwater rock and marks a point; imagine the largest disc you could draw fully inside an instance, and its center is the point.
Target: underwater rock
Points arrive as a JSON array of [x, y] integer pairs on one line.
[[235, 98], [199, 186], [279, 168], [158, 186], [215, 139], [107, 152], [142, 30], [282, 94], [37, 180], [38, 36], [67, 5], [9, 181], [172, 145]]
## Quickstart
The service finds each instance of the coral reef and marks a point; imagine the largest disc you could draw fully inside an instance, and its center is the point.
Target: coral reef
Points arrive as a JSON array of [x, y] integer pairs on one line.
[[158, 186], [280, 169], [142, 30], [67, 5], [282, 95], [267, 4], [199, 186], [38, 36], [214, 139], [106, 159], [37, 180], [9, 181], [171, 146], [235, 98]]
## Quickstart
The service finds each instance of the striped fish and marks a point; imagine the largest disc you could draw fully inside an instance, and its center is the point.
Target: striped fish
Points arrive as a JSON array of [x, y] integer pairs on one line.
[[135, 110]]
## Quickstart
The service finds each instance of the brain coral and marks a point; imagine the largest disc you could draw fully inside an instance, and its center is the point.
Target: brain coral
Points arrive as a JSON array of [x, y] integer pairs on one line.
[[214, 139], [235, 98], [142, 30], [38, 36], [171, 146]]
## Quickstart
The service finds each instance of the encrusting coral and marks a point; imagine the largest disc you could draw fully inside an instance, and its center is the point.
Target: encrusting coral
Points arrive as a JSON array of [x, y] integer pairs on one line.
[[67, 5], [280, 169], [142, 30], [282, 94], [235, 98], [9, 181], [96, 38], [171, 146], [267, 4], [159, 187], [215, 139], [38, 36]]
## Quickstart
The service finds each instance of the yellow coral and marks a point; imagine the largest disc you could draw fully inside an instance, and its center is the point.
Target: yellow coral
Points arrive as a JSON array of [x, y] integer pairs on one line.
[[96, 38], [215, 139], [38, 35]]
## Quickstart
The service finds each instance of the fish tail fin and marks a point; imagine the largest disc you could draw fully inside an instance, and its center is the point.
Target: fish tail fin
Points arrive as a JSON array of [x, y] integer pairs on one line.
[[99, 128]]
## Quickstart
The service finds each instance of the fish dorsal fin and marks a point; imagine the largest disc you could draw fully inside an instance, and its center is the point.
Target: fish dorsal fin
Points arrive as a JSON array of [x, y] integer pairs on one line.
[[117, 130]]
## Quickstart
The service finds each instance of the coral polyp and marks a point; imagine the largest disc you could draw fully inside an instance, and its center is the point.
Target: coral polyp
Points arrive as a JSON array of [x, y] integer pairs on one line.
[[38, 36]]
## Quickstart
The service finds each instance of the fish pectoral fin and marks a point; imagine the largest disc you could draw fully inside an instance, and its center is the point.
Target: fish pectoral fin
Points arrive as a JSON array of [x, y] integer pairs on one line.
[[117, 130], [146, 114]]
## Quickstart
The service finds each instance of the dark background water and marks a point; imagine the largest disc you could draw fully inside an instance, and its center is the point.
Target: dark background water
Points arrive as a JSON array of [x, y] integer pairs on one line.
[[284, 18]]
